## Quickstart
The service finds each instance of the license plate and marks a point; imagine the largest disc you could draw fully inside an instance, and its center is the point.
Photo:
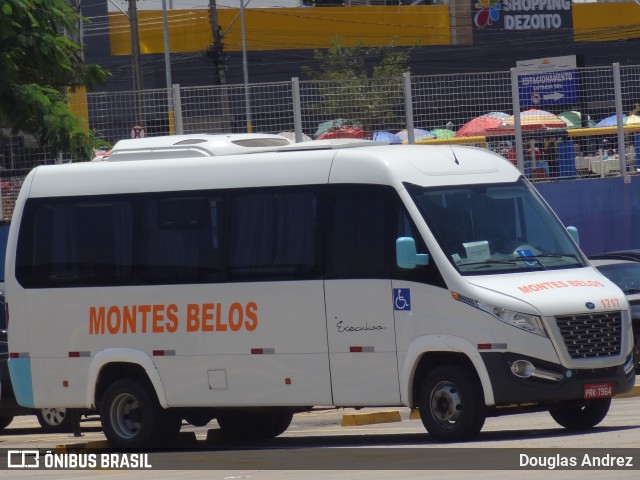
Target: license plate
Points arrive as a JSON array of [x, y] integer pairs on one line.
[[598, 390]]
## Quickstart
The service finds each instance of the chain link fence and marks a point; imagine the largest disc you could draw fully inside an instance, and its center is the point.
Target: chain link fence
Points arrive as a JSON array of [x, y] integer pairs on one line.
[[597, 135]]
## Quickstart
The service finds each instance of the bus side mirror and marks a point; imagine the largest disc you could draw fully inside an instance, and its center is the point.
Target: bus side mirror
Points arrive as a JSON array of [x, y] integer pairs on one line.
[[573, 231], [406, 256]]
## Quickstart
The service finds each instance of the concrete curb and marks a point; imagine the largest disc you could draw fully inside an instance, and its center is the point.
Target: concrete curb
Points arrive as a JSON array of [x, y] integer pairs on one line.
[[355, 419]]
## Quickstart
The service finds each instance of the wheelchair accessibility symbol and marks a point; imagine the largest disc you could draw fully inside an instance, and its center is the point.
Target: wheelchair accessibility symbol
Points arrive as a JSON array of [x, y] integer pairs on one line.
[[401, 299]]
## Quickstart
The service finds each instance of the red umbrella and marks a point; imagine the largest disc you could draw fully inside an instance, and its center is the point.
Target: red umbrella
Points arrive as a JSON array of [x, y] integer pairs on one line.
[[342, 132], [478, 126]]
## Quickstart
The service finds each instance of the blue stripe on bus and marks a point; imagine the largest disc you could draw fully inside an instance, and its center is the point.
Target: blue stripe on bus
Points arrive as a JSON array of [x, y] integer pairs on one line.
[[20, 371]]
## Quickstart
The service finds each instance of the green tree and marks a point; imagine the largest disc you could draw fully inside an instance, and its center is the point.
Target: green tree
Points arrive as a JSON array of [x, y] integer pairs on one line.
[[361, 84], [38, 65]]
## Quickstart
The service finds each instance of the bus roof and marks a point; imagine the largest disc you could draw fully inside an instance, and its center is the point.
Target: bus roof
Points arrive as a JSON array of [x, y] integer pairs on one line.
[[296, 164]]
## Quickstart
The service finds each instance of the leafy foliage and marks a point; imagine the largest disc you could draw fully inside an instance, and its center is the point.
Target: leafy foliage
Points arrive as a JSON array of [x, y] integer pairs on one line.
[[38, 64], [362, 84]]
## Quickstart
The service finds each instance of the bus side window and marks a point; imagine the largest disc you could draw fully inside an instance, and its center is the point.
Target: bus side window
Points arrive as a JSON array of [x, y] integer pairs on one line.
[[75, 242], [176, 241], [360, 232], [272, 233]]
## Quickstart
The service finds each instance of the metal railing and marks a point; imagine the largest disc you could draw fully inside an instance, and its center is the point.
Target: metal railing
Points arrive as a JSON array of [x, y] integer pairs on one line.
[[597, 135]]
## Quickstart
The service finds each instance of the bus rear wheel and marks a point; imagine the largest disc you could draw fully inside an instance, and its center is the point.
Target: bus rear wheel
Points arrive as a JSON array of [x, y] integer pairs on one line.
[[132, 417], [582, 417], [240, 425], [451, 404]]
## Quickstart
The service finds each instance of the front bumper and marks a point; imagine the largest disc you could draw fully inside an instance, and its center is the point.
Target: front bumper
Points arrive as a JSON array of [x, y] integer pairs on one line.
[[509, 389]]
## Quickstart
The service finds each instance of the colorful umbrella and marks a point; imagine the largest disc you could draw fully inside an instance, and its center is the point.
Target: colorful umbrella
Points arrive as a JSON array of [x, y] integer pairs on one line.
[[443, 133], [418, 134], [612, 121], [534, 119], [499, 115], [386, 137], [342, 132], [330, 125], [478, 126], [573, 119]]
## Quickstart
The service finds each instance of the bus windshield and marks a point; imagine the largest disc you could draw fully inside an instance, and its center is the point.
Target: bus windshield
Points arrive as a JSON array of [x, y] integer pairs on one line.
[[495, 228]]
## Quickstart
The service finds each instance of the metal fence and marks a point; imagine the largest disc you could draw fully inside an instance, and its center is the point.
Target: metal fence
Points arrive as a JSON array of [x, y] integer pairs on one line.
[[553, 141]]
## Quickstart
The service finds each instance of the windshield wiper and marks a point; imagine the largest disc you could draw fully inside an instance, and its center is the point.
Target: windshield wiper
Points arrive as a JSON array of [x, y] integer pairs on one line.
[[489, 261], [524, 258], [550, 255]]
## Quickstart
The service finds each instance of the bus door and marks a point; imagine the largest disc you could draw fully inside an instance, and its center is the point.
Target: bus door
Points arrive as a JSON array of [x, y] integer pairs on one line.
[[358, 296]]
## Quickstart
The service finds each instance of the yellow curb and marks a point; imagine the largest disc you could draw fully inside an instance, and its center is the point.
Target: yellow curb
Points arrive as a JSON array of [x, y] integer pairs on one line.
[[634, 392], [352, 420]]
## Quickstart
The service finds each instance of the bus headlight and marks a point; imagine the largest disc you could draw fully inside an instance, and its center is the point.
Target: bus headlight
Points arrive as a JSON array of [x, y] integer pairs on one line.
[[523, 321]]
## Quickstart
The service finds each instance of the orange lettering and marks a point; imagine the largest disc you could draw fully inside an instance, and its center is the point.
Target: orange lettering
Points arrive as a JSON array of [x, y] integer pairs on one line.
[[158, 317], [252, 315], [220, 326], [144, 310], [235, 321], [129, 319], [172, 318], [207, 316], [96, 320], [113, 320], [193, 320]]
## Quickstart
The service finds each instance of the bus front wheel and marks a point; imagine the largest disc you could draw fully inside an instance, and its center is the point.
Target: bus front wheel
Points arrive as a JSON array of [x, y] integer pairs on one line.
[[451, 404], [582, 417]]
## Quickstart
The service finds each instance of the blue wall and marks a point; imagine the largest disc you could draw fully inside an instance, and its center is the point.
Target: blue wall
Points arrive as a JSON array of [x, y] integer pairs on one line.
[[605, 210]]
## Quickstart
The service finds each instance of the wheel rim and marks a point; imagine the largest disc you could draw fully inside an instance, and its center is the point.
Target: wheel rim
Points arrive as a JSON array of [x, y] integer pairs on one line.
[[126, 416], [54, 416], [446, 404]]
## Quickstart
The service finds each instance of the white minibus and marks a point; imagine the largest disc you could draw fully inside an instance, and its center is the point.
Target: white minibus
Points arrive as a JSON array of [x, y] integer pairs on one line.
[[250, 286]]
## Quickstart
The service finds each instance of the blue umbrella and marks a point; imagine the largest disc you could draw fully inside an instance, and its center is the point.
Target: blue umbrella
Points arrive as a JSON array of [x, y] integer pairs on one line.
[[611, 121], [385, 137], [418, 134]]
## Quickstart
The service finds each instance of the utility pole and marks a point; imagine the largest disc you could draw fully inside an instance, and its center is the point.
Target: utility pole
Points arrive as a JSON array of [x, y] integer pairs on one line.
[[217, 53], [135, 62], [167, 68], [245, 69]]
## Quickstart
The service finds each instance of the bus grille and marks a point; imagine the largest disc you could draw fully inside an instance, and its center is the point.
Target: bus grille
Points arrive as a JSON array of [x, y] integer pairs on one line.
[[592, 335]]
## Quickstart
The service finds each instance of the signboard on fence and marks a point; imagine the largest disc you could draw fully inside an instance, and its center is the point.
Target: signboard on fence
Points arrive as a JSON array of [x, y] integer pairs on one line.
[[547, 81]]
